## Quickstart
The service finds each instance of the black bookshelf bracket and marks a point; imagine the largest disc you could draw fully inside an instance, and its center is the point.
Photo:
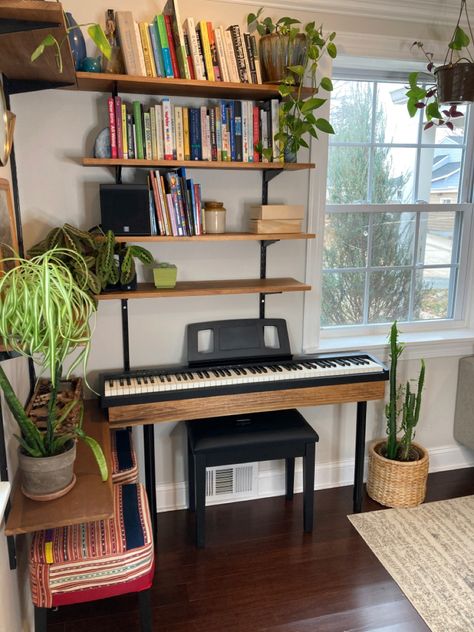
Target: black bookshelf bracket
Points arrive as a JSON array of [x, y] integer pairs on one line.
[[118, 174], [125, 336], [267, 176]]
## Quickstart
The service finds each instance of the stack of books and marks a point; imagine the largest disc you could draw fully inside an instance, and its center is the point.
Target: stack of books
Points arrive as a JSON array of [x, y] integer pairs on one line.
[[228, 131], [276, 218], [169, 47]]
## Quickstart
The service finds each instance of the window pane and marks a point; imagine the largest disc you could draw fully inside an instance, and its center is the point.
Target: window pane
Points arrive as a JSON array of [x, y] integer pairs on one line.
[[345, 240], [435, 241], [393, 237], [393, 175], [393, 120], [432, 293], [440, 170], [351, 107], [347, 175], [389, 295], [439, 135], [342, 298]]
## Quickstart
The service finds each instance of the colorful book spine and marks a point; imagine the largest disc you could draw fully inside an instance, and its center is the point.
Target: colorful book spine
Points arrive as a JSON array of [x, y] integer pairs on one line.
[[230, 58], [164, 203], [264, 130], [141, 58], [239, 52], [112, 127], [160, 149], [256, 58], [189, 57], [158, 209], [192, 198], [232, 137], [185, 200], [138, 119], [206, 49], [213, 136], [156, 48], [190, 30], [200, 214], [219, 132], [172, 213], [238, 131], [147, 133], [165, 48], [275, 117], [147, 50], [256, 132], [245, 131], [154, 147], [195, 133], [172, 48], [213, 49], [130, 137], [178, 121], [249, 58], [187, 147], [118, 125], [126, 34], [124, 132], [220, 48], [224, 132], [167, 129], [201, 51], [250, 122], [171, 8]]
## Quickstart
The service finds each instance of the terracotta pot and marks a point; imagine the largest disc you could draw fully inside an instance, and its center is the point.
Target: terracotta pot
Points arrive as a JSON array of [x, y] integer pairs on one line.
[[50, 477], [276, 53], [455, 83], [397, 483]]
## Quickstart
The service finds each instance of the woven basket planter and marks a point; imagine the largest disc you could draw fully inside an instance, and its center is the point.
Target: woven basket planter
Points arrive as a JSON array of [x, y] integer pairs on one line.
[[397, 483], [37, 408]]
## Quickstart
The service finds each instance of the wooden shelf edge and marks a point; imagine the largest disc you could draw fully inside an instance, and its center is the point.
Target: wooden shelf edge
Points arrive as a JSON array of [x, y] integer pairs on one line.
[[210, 288], [104, 82], [197, 164], [214, 237]]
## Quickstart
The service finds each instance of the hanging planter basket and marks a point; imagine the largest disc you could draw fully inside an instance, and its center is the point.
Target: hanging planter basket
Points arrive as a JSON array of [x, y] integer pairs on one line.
[[397, 483], [455, 83]]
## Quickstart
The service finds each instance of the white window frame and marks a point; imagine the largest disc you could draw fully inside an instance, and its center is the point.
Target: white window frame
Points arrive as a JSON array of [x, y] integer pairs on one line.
[[459, 328]]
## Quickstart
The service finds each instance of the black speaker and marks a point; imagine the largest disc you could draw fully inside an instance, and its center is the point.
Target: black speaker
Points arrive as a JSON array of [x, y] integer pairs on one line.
[[125, 208]]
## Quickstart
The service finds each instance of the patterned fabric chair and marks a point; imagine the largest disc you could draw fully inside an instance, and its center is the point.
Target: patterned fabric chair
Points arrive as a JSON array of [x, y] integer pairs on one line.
[[96, 560], [124, 458]]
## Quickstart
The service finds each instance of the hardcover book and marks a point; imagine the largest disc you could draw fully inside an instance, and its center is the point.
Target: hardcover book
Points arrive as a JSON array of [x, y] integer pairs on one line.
[[112, 127], [190, 30], [126, 34], [172, 47], [239, 52], [171, 9], [165, 48], [206, 49], [213, 48], [156, 48]]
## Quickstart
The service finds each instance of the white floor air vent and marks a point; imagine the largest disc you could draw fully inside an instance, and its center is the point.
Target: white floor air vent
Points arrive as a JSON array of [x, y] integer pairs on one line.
[[227, 483]]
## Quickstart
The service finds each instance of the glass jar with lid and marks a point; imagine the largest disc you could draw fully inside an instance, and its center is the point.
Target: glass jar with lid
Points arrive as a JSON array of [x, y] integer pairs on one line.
[[214, 217]]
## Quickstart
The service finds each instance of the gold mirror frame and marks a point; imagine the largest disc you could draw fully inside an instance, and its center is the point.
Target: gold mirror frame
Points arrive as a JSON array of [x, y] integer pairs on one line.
[[7, 125]]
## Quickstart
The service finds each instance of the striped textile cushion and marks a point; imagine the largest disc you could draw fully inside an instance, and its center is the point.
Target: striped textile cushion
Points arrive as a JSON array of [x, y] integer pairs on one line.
[[95, 560], [124, 458]]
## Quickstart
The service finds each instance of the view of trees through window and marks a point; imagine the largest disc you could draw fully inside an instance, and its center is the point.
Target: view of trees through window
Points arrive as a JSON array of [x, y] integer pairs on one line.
[[391, 246]]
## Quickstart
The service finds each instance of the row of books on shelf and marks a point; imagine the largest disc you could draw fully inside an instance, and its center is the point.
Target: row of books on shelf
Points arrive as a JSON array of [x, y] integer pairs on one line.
[[230, 131], [175, 204], [168, 47]]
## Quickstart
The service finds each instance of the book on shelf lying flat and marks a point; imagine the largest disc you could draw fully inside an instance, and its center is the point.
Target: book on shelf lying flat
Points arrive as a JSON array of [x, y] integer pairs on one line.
[[274, 226], [276, 211]]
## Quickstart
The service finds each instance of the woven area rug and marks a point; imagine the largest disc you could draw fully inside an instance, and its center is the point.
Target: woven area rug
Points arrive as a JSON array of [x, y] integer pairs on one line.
[[429, 552]]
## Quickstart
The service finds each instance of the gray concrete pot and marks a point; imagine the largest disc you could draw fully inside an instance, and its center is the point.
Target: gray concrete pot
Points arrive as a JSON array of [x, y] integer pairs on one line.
[[47, 478]]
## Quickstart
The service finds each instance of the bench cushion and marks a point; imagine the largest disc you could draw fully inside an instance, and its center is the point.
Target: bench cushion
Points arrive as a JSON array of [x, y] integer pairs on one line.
[[250, 430], [124, 458], [95, 560]]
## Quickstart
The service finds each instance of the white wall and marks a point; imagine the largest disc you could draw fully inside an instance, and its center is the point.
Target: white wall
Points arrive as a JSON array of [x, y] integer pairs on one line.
[[56, 128]]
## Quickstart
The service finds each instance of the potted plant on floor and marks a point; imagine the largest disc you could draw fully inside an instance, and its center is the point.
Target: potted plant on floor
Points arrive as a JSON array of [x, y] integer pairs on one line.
[[398, 467], [44, 315], [453, 82], [288, 56]]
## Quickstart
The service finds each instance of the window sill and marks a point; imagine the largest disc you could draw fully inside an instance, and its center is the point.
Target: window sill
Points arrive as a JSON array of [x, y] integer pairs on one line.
[[429, 344]]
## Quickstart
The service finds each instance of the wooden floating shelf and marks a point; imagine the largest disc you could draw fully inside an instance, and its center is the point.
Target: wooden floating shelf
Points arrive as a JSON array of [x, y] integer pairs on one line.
[[215, 237], [197, 164], [16, 44], [210, 288], [105, 82], [90, 499]]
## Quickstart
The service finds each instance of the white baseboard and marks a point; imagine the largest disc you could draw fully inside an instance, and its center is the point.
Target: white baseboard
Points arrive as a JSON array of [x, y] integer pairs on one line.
[[271, 482]]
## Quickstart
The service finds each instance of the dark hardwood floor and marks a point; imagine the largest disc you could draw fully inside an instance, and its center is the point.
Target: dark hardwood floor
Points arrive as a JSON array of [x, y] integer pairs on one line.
[[260, 572]]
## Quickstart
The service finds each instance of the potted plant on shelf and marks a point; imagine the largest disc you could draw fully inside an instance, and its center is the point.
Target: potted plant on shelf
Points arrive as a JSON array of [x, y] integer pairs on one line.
[[453, 82], [110, 264], [44, 315], [288, 56], [398, 467]]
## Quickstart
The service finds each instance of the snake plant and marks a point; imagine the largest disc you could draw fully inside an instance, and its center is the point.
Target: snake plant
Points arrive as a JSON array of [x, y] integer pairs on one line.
[[45, 315]]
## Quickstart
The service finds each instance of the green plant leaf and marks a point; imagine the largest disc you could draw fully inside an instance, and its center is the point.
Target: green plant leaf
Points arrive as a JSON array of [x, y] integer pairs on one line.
[[298, 70], [49, 40], [432, 111], [100, 40], [312, 104], [332, 50], [261, 29], [324, 126], [416, 93], [411, 107], [332, 36], [326, 84], [251, 18], [413, 79], [460, 39], [97, 452]]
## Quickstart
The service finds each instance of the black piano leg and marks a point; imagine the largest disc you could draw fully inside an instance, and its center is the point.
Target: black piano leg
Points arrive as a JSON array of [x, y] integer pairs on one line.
[[359, 456], [150, 475]]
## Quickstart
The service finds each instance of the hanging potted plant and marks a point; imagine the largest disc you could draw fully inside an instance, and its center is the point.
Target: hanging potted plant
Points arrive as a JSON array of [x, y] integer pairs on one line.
[[453, 82], [289, 56], [44, 315], [398, 467]]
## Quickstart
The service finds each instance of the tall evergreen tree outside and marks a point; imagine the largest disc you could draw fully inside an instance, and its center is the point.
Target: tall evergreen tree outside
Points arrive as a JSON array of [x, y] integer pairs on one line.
[[347, 234]]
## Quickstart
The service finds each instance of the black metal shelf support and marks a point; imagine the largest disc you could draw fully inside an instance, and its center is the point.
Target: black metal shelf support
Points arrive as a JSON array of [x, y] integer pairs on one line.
[[267, 176]]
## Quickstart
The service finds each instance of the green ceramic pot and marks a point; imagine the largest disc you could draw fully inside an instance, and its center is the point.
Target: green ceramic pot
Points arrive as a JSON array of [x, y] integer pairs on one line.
[[276, 53]]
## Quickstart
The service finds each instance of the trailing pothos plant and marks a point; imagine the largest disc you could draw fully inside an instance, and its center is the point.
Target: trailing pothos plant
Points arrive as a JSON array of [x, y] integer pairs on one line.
[[423, 92], [297, 112], [45, 315], [403, 408]]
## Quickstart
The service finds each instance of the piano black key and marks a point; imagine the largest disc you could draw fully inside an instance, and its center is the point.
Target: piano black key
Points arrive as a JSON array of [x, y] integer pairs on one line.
[[206, 373], [121, 381], [178, 377]]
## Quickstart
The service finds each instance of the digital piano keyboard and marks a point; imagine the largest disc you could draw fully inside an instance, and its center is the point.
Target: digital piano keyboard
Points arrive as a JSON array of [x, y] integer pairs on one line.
[[241, 372]]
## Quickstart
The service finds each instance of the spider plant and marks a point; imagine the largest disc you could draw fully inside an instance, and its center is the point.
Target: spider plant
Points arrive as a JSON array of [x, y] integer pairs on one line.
[[44, 315]]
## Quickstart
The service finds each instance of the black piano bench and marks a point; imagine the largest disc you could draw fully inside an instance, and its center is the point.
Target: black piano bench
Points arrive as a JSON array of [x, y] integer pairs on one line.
[[282, 434]]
